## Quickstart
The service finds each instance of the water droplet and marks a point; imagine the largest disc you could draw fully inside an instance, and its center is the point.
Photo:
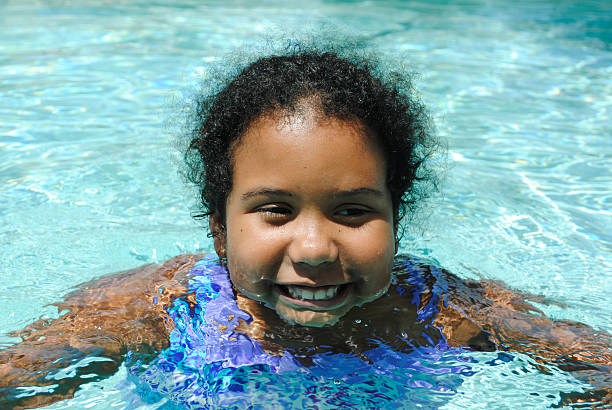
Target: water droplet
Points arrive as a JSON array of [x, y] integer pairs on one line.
[[336, 381], [357, 321], [404, 335]]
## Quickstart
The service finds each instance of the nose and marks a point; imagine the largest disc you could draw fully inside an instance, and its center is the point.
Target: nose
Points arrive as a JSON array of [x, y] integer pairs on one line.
[[313, 243]]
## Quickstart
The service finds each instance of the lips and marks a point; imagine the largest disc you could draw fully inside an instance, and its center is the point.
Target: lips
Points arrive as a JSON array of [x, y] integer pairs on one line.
[[317, 297]]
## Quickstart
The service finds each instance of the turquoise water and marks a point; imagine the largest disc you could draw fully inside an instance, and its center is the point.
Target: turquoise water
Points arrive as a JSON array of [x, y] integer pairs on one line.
[[522, 93]]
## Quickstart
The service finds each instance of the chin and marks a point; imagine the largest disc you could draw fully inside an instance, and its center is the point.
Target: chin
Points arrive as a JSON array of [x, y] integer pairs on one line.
[[311, 318]]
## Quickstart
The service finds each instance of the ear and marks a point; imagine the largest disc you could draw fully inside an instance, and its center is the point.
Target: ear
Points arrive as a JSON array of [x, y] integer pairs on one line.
[[217, 230]]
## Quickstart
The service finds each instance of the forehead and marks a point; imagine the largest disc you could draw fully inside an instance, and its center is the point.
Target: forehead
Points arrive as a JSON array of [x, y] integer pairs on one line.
[[310, 148]]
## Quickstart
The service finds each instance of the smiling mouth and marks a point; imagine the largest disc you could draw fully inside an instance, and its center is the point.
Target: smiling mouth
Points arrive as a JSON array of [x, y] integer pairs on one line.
[[319, 297]]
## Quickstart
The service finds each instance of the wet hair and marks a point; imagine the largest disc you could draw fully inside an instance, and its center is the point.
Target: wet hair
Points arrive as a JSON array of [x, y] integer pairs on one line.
[[344, 86]]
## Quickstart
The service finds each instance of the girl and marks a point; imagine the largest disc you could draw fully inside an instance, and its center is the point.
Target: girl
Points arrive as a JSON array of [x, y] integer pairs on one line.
[[306, 163]]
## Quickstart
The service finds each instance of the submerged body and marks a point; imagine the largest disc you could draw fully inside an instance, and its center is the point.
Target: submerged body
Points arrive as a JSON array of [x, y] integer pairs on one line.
[[220, 357], [150, 316]]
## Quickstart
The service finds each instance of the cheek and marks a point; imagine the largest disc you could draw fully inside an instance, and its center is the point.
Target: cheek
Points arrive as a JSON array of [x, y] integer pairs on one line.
[[375, 262], [248, 249], [375, 245], [248, 278], [252, 255]]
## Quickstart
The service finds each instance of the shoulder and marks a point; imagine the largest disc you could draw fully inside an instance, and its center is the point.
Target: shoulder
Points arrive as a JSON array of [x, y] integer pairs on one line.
[[102, 317], [176, 268], [174, 273], [448, 300], [427, 276], [121, 306]]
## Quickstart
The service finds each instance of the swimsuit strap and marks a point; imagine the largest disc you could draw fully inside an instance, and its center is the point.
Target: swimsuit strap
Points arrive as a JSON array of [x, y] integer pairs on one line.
[[205, 333]]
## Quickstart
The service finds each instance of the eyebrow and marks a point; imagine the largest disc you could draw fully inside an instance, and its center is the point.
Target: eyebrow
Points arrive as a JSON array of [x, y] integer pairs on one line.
[[265, 191], [283, 193]]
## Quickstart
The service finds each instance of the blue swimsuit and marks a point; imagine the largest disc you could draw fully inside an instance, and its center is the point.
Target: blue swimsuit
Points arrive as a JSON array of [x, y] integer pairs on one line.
[[205, 367]]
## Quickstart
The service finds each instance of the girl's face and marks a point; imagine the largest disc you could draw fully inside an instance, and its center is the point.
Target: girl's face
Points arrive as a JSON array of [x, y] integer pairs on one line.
[[309, 220]]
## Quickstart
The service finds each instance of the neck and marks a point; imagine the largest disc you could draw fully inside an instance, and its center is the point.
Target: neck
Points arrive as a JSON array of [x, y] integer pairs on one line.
[[389, 319]]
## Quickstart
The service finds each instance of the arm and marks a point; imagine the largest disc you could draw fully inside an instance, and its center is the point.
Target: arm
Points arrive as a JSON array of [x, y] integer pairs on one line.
[[105, 319], [488, 312]]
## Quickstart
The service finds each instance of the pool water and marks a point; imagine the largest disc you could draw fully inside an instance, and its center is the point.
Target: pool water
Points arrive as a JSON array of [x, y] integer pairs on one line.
[[89, 95]]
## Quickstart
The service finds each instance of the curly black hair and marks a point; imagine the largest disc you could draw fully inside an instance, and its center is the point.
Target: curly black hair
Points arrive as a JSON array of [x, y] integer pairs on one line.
[[345, 87]]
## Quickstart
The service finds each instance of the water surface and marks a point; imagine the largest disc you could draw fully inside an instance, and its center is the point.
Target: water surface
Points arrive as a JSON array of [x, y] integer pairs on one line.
[[521, 93]]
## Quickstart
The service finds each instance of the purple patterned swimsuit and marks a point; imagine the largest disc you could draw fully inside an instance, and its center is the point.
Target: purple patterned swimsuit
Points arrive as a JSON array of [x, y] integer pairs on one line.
[[206, 368]]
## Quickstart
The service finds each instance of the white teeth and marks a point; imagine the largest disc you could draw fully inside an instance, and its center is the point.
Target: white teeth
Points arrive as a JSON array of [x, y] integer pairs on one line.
[[319, 294], [300, 292]]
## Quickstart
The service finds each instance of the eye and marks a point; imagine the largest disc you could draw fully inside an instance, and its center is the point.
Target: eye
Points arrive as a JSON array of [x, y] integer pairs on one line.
[[353, 215], [275, 210], [353, 212], [275, 213]]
